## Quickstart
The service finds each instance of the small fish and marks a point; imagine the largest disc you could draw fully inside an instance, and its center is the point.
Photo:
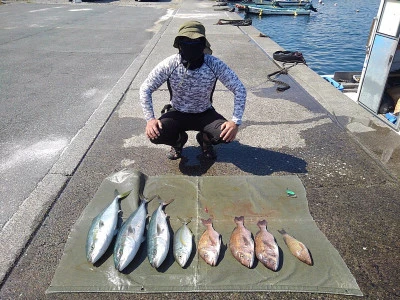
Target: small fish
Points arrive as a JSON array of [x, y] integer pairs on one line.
[[242, 244], [209, 244], [103, 230], [158, 236], [267, 250], [183, 243], [131, 236], [297, 248]]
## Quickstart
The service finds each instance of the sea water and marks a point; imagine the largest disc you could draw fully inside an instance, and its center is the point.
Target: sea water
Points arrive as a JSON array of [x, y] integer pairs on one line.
[[332, 39]]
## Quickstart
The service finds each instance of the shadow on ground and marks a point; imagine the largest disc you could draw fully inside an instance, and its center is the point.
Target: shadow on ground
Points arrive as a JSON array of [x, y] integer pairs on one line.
[[253, 160]]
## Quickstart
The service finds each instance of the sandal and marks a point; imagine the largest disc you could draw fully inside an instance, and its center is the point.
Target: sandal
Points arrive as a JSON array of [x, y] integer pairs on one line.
[[206, 147], [176, 152]]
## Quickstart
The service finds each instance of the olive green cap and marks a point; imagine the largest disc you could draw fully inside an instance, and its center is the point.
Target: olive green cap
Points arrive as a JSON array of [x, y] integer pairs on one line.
[[193, 30]]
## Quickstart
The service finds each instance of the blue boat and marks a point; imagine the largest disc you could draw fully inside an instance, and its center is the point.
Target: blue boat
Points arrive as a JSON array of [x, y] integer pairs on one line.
[[262, 9]]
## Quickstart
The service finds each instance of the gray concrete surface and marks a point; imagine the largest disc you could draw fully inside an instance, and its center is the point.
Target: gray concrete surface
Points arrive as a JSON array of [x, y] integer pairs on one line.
[[64, 68], [346, 158], [58, 65]]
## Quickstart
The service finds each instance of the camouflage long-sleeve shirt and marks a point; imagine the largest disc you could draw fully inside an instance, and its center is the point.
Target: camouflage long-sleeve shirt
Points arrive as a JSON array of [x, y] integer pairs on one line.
[[192, 90]]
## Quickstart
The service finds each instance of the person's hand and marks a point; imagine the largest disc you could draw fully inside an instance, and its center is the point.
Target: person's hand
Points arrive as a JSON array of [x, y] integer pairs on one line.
[[229, 131], [153, 127]]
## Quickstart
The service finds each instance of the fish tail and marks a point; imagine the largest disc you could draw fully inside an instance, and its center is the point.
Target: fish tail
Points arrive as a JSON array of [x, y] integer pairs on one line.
[[239, 219], [262, 223], [206, 222], [147, 200], [123, 195], [165, 203], [185, 221], [282, 231]]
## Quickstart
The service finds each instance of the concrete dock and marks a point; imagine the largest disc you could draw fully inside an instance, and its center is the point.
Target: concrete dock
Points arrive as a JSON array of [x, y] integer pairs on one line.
[[347, 159]]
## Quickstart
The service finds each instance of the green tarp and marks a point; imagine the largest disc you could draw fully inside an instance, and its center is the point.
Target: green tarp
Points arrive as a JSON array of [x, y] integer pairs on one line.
[[221, 198]]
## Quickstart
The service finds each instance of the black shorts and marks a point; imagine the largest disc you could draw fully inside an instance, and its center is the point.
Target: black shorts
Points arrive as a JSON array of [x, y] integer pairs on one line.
[[174, 122]]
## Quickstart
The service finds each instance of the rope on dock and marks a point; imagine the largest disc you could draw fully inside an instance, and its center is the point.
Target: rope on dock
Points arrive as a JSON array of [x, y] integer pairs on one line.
[[283, 85]]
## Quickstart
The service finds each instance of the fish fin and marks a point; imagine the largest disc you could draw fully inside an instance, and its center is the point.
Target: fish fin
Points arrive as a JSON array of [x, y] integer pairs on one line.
[[131, 230], [239, 219], [185, 221], [246, 241], [147, 200], [282, 231], [123, 195], [168, 202], [262, 223], [159, 229], [160, 200], [206, 222], [215, 241], [165, 203]]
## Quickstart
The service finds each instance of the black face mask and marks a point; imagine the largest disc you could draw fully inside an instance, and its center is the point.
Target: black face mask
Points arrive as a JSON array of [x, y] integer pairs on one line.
[[192, 52]]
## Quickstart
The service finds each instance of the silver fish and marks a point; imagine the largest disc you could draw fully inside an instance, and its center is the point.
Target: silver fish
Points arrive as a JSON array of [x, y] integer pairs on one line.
[[267, 250], [158, 236], [209, 244], [103, 230], [183, 243], [130, 236]]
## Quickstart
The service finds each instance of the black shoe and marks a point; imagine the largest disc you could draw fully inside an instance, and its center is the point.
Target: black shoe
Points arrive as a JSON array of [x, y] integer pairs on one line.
[[176, 152], [206, 147]]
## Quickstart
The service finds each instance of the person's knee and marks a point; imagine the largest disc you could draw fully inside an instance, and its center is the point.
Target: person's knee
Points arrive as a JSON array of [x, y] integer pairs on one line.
[[221, 141], [155, 141], [218, 140]]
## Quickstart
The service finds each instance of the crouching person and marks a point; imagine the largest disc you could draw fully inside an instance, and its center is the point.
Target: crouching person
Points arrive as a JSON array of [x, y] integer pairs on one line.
[[191, 76]]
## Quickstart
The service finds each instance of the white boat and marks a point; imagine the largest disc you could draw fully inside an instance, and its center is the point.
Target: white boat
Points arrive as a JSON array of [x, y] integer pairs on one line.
[[276, 4], [345, 81], [270, 10], [378, 90]]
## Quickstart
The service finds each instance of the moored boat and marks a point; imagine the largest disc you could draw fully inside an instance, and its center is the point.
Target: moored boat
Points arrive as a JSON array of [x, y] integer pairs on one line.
[[377, 87], [284, 2], [270, 10], [241, 6], [277, 3], [344, 81]]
